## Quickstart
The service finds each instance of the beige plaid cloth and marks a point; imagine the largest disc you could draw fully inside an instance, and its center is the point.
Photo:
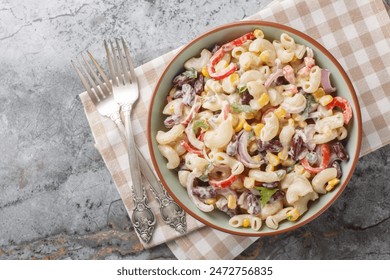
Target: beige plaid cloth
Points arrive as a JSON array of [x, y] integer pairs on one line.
[[355, 32]]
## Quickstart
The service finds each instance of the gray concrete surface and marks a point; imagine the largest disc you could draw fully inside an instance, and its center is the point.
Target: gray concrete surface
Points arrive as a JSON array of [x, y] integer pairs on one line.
[[57, 200]]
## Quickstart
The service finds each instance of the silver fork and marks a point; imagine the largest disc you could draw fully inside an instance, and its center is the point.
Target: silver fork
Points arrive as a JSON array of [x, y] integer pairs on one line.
[[99, 90], [143, 218], [171, 213], [126, 92]]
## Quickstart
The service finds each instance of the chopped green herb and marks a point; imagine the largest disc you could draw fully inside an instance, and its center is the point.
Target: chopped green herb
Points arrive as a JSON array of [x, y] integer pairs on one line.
[[192, 73], [290, 169], [265, 194], [205, 176], [239, 108], [200, 124], [241, 89], [310, 101]]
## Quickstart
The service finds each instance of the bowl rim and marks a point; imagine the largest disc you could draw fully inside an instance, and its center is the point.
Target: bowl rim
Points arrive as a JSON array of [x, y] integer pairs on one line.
[[357, 118]]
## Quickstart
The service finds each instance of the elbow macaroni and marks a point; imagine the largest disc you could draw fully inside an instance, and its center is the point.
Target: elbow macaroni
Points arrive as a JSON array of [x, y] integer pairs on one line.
[[251, 99]]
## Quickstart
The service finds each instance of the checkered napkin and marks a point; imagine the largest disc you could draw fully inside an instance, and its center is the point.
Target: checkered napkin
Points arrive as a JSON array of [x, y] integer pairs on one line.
[[355, 32]]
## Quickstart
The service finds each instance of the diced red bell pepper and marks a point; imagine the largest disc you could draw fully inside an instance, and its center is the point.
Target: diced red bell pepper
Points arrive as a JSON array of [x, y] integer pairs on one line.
[[190, 149], [223, 183], [344, 105], [325, 152], [226, 111], [237, 42], [217, 56]]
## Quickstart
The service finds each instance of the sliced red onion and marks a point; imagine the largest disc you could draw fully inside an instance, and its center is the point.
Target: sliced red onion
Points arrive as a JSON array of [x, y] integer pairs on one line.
[[278, 73], [325, 81], [225, 192], [200, 204], [195, 142], [244, 156], [194, 109]]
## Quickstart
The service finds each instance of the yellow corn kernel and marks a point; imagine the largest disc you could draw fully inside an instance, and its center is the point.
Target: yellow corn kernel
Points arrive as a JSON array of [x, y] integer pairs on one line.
[[205, 72], [256, 158], [302, 124], [210, 201], [257, 129], [331, 184], [283, 155], [293, 215], [249, 116], [294, 58], [325, 100], [299, 169], [249, 182], [318, 93], [288, 162], [247, 127], [272, 159], [287, 93], [291, 122], [280, 113], [264, 56], [234, 78], [269, 168], [240, 124], [307, 174], [232, 202], [246, 223], [264, 99], [258, 33]]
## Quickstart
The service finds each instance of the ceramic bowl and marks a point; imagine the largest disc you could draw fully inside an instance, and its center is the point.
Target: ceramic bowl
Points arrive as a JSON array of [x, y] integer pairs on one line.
[[223, 34]]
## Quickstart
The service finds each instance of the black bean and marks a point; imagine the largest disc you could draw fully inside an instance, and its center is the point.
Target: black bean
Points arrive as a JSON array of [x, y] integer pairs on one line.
[[181, 79], [339, 150], [254, 207], [296, 147], [279, 195], [337, 165], [169, 122], [204, 192], [245, 97], [199, 84], [232, 147], [189, 94], [281, 81], [273, 146], [178, 94]]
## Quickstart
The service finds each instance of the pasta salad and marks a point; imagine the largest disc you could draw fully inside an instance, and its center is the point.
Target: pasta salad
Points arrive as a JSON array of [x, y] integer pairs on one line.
[[255, 130]]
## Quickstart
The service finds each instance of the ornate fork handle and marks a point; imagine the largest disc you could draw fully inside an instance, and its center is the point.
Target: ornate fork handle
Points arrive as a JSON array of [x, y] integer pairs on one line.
[[143, 218], [171, 213]]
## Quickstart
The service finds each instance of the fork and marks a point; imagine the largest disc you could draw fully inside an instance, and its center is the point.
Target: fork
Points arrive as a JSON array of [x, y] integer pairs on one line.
[[126, 92], [171, 212], [143, 218]]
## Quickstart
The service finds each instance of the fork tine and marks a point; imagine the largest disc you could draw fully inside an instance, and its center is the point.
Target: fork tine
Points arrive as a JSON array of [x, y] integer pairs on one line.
[[130, 63], [123, 63], [110, 64], [92, 82], [101, 72], [116, 65], [85, 83], [97, 80]]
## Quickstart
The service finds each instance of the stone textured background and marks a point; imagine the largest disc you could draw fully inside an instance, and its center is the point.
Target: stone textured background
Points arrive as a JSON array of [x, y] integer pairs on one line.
[[57, 199]]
